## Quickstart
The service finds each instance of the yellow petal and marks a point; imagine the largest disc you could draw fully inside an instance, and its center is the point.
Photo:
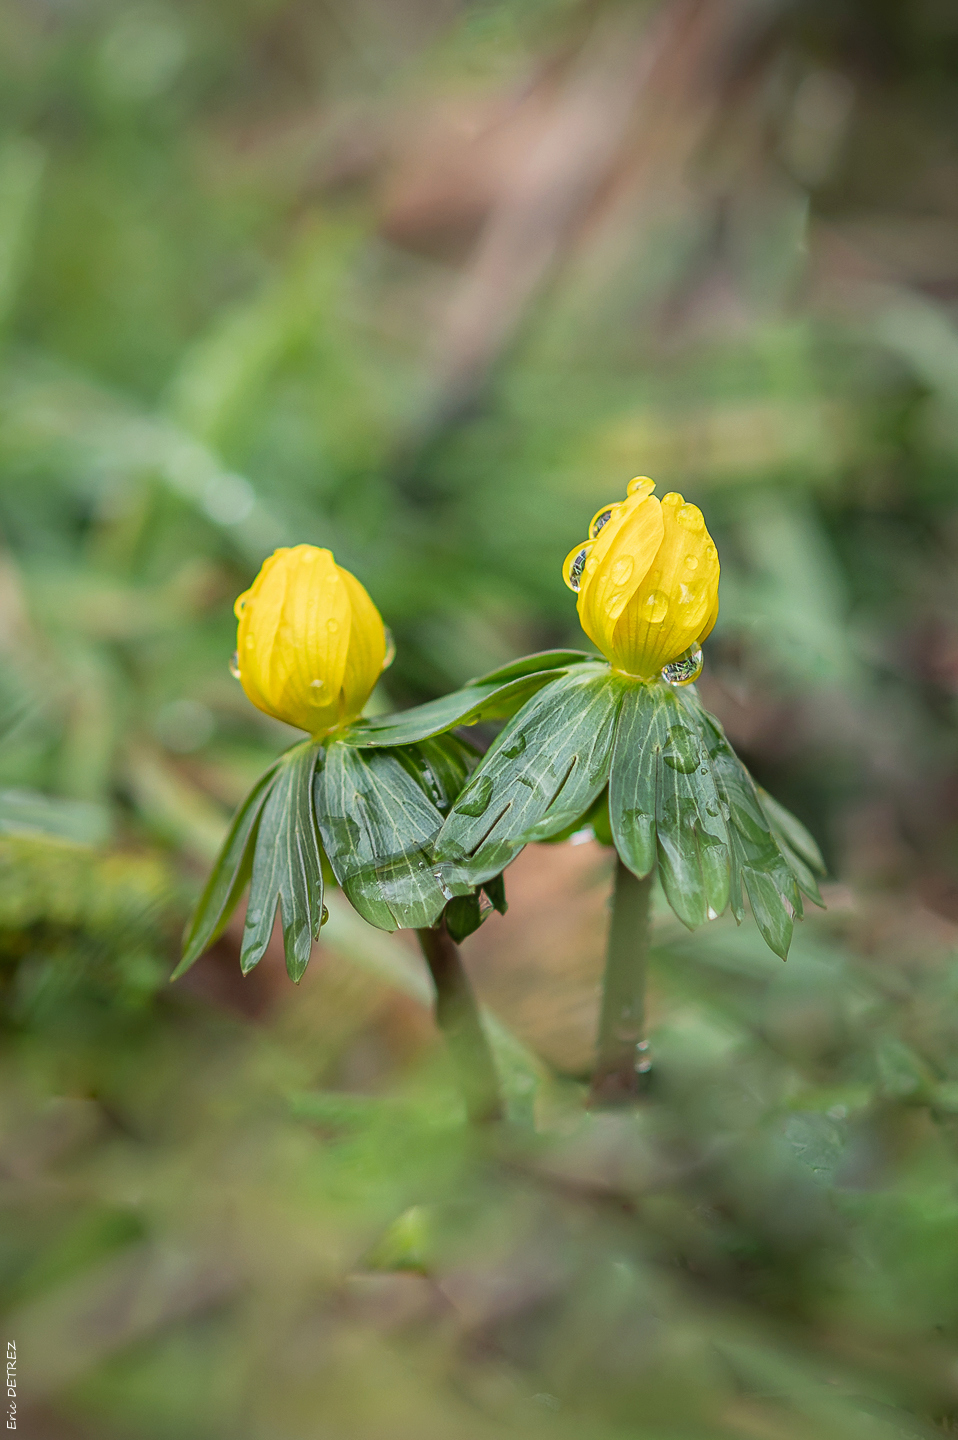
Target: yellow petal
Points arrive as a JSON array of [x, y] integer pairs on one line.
[[367, 648], [293, 638], [617, 566], [671, 609]]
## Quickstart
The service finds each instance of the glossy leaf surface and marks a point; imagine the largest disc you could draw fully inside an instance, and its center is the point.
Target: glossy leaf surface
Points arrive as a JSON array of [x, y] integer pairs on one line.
[[495, 696], [286, 866], [378, 826], [230, 874], [547, 766]]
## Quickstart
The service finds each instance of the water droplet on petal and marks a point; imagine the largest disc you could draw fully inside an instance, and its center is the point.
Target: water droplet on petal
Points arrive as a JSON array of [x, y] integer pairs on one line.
[[690, 518], [710, 552], [673, 498], [691, 562], [655, 607], [317, 685], [603, 518], [641, 485], [332, 625], [622, 570], [390, 654], [574, 568], [234, 665], [616, 605], [685, 669]]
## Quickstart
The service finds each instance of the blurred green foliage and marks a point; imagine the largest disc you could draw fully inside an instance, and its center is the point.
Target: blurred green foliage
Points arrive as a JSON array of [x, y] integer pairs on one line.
[[427, 283]]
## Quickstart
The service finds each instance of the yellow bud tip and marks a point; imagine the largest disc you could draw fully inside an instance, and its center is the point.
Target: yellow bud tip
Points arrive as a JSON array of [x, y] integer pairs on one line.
[[310, 640], [646, 578]]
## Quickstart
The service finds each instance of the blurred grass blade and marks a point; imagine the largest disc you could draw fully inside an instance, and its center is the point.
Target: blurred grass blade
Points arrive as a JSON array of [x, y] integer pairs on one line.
[[22, 164]]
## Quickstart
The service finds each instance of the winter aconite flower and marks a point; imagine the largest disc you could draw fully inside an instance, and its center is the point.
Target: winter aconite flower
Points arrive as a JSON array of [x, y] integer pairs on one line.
[[647, 580], [311, 644]]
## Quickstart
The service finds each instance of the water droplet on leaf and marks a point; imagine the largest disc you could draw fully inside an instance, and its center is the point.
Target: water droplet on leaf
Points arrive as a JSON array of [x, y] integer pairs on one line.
[[325, 915], [476, 800], [516, 748], [681, 752], [685, 669]]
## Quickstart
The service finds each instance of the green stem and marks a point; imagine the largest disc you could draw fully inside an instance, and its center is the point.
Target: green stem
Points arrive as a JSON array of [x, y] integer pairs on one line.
[[621, 1059], [457, 1016]]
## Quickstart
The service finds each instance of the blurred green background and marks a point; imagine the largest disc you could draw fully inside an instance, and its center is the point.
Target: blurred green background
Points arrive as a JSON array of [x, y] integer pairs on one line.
[[426, 282]]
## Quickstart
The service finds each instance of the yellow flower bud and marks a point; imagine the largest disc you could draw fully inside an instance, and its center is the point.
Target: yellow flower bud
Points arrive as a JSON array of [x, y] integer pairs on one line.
[[311, 644], [647, 580]]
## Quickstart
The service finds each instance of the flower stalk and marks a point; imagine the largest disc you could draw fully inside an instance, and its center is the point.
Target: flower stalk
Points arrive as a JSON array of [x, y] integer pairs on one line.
[[622, 1058], [457, 1016]]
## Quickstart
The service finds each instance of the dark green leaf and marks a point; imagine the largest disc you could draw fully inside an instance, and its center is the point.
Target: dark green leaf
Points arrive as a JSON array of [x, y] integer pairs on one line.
[[496, 891], [546, 768], [286, 866], [753, 848], [440, 766], [786, 828], [663, 802], [230, 874], [632, 782], [533, 664], [464, 915], [494, 698], [378, 826]]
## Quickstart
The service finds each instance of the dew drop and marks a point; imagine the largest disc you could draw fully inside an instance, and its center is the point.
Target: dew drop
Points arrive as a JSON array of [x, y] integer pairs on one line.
[[446, 892], [641, 485], [513, 751], [476, 799], [690, 518], [691, 562], [603, 518], [332, 625], [673, 498], [710, 552], [576, 566], [590, 565], [325, 915], [656, 606], [681, 752], [234, 665], [622, 570], [685, 669], [616, 605], [317, 685]]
